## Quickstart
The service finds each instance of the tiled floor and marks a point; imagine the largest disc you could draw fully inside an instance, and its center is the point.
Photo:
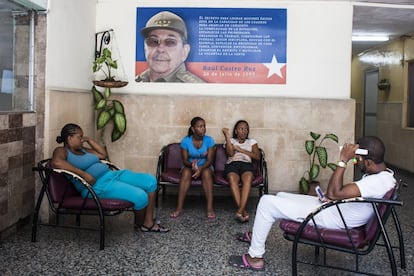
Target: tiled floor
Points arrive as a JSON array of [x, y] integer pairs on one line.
[[194, 246]]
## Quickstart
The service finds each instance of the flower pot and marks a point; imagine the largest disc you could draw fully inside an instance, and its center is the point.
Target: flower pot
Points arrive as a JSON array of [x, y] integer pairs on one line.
[[312, 187], [110, 84]]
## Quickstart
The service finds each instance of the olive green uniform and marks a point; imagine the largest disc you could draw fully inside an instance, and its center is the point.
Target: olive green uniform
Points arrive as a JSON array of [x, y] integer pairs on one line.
[[179, 75]]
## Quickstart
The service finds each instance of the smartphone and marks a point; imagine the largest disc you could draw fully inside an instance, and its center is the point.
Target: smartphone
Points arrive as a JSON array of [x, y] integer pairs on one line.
[[320, 194]]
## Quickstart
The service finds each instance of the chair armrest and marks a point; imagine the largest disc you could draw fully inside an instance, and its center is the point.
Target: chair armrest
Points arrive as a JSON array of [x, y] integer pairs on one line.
[[73, 175], [352, 200], [111, 165], [263, 170]]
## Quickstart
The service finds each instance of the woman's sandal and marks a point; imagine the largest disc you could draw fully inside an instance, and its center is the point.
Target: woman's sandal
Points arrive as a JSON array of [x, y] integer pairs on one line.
[[176, 214], [211, 216], [159, 229], [244, 237], [242, 262], [240, 218]]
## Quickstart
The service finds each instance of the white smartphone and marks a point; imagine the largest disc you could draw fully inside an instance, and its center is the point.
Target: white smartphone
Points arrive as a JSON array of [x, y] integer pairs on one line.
[[320, 194], [358, 151]]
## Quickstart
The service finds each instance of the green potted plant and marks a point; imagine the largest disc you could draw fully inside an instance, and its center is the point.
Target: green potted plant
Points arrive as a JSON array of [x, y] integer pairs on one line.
[[109, 110], [318, 157], [106, 65]]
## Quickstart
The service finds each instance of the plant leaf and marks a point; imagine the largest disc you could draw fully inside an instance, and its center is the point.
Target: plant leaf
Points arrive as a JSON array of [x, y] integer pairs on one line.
[[101, 104], [120, 122], [103, 119], [107, 92], [314, 135], [97, 95], [303, 185], [111, 63], [309, 146], [332, 166], [322, 156], [119, 108], [111, 111], [314, 172], [115, 135], [332, 137]]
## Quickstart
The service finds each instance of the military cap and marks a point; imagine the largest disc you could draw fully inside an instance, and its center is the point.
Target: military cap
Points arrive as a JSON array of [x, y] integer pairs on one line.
[[165, 20]]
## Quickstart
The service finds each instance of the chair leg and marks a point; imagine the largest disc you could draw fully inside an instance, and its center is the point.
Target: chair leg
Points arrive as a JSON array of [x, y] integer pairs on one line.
[[101, 230], [294, 258], [400, 238], [36, 213]]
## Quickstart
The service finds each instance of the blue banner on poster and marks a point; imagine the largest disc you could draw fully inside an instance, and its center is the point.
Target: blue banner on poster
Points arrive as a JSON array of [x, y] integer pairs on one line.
[[226, 45]]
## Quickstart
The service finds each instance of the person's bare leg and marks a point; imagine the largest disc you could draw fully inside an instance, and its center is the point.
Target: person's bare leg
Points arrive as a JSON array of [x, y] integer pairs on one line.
[[234, 180], [207, 180], [247, 179], [149, 210], [183, 187]]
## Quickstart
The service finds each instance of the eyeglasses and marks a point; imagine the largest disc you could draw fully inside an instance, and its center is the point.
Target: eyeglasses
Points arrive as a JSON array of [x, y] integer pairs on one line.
[[155, 42]]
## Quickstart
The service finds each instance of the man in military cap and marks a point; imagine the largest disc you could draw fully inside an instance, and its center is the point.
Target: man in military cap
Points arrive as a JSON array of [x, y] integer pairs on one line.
[[166, 49]]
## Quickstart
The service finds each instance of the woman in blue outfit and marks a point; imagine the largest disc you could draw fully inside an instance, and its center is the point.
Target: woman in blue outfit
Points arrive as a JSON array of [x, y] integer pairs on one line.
[[139, 188], [197, 150]]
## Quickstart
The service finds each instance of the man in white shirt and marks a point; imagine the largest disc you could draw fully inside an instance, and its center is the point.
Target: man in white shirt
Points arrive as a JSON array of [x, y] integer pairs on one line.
[[375, 183]]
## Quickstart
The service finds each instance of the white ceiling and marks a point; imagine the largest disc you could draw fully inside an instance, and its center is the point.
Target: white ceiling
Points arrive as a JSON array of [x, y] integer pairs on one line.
[[394, 18]]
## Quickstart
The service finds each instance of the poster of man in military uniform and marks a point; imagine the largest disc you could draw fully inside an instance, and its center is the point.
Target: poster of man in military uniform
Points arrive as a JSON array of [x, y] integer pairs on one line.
[[211, 45], [166, 49]]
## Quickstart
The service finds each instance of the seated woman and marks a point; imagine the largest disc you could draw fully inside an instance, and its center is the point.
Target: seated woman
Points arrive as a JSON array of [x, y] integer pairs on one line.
[[139, 188], [240, 150], [197, 150]]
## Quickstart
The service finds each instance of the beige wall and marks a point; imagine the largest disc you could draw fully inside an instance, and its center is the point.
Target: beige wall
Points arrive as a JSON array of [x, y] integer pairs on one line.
[[390, 60], [281, 125]]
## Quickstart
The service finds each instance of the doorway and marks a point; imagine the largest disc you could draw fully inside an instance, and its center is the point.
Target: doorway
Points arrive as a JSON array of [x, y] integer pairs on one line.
[[370, 103]]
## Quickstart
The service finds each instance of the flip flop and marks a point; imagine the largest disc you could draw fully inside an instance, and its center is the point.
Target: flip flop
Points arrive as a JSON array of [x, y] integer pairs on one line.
[[211, 216], [242, 262], [240, 218], [176, 214], [244, 237], [160, 229]]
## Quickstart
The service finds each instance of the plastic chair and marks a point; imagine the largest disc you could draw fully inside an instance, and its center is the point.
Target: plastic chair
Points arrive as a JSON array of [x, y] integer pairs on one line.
[[64, 199], [357, 241]]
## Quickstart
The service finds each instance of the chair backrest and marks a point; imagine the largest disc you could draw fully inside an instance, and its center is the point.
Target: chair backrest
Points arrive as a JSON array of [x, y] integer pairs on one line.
[[60, 187], [372, 227], [173, 158], [220, 158]]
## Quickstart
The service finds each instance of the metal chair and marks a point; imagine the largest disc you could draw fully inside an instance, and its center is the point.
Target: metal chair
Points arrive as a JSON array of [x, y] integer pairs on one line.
[[170, 164], [357, 241], [64, 199]]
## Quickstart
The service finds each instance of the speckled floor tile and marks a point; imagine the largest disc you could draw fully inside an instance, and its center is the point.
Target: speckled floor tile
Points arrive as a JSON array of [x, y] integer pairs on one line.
[[194, 246]]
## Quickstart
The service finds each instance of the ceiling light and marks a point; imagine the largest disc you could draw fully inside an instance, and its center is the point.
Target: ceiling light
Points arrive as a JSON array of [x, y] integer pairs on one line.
[[370, 38]]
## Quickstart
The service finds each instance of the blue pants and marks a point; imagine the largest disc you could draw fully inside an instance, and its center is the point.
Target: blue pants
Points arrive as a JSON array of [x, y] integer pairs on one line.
[[126, 185]]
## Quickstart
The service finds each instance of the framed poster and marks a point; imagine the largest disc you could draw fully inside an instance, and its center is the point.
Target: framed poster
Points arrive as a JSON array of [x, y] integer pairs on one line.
[[225, 45]]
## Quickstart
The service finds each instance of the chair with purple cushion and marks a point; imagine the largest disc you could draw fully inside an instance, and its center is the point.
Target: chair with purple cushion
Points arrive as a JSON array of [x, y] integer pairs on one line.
[[260, 175], [170, 163], [64, 199], [357, 241]]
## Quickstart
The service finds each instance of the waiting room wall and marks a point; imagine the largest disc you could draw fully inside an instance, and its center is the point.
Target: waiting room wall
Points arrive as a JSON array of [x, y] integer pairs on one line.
[[315, 98]]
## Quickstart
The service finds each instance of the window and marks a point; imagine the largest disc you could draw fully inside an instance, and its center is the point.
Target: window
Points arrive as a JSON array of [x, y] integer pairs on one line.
[[15, 81]]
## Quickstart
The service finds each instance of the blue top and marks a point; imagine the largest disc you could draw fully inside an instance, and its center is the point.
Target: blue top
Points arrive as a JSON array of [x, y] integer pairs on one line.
[[197, 154], [89, 163]]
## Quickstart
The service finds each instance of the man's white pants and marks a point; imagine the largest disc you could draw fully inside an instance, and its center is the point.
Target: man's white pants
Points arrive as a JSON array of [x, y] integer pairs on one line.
[[274, 207]]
